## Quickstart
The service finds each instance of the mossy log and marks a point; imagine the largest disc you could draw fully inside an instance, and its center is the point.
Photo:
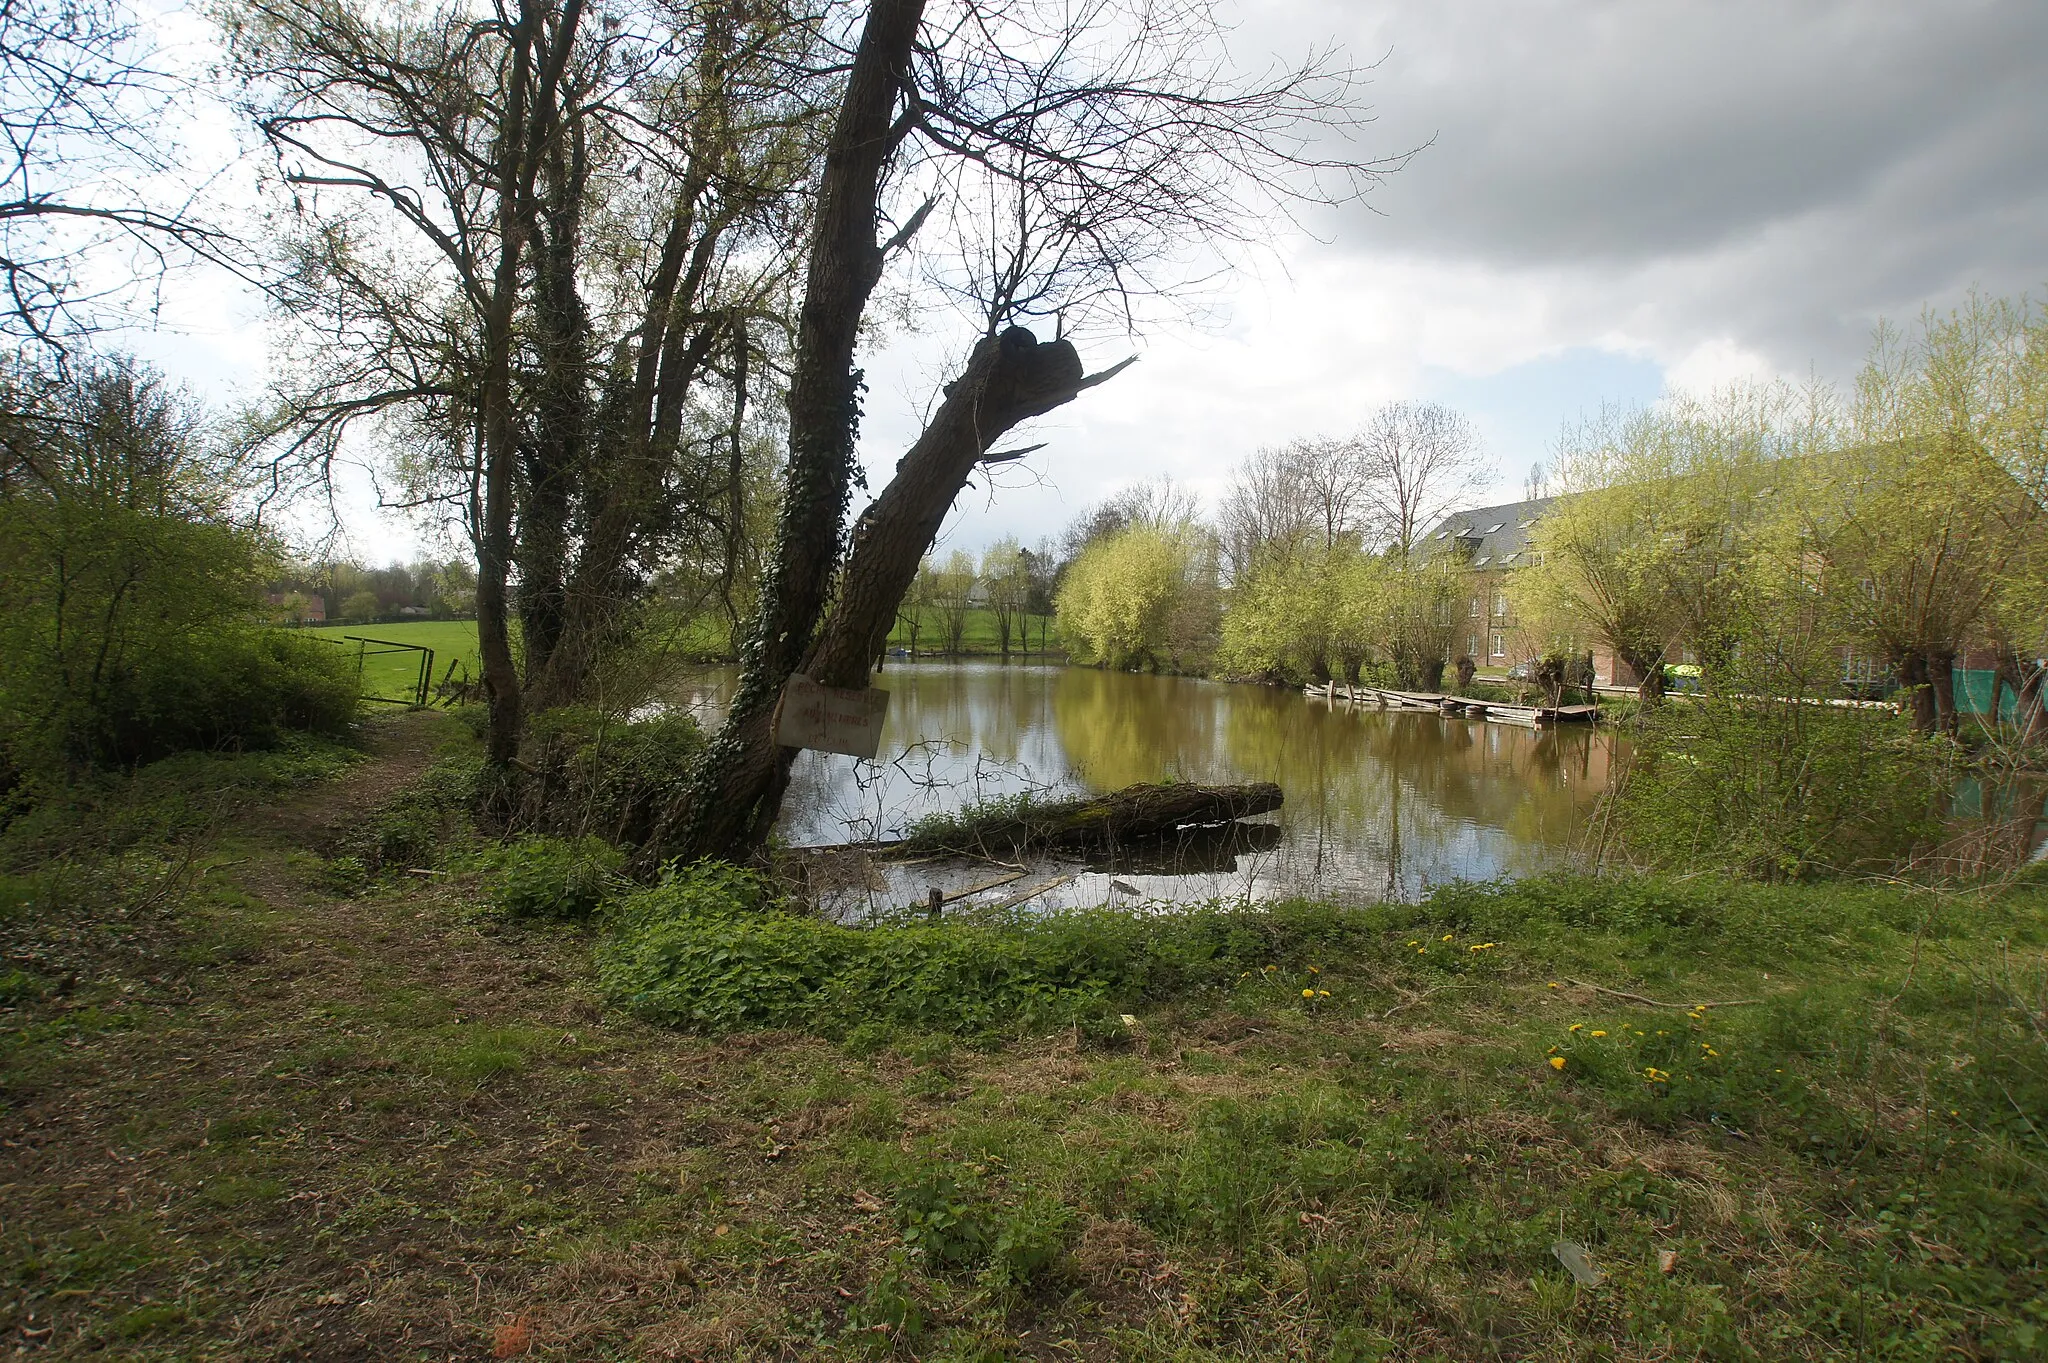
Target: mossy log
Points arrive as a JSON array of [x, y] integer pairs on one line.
[[1132, 814]]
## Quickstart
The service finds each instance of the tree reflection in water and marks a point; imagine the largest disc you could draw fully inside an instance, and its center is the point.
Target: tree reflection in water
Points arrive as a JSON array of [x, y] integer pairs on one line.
[[1377, 803]]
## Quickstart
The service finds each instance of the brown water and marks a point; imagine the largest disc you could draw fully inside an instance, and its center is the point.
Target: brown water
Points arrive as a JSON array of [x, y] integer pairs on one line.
[[1379, 804]]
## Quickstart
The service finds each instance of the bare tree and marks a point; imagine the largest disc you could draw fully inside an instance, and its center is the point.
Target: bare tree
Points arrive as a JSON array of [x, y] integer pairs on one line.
[[1284, 496], [1109, 146], [95, 205], [1423, 461]]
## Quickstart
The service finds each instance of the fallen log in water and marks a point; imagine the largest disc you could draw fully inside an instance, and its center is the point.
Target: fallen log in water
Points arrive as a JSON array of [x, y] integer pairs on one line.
[[1096, 821]]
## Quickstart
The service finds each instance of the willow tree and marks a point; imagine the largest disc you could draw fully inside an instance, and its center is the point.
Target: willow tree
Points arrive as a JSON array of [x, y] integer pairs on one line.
[[1067, 159], [1649, 543], [1928, 522]]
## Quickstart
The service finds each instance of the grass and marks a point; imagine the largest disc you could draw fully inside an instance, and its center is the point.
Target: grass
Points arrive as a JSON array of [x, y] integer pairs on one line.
[[252, 1118], [392, 675], [980, 634]]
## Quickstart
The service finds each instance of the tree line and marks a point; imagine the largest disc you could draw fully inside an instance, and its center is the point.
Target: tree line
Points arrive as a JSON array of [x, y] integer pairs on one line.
[[1767, 537]]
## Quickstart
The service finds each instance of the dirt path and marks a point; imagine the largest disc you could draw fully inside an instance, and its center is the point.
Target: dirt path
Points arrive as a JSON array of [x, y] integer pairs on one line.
[[348, 1128]]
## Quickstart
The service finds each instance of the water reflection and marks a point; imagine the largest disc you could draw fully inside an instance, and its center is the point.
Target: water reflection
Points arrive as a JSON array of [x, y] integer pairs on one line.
[[1378, 803]]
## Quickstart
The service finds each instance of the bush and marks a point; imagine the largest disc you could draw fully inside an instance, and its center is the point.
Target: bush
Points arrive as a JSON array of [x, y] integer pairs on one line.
[[707, 949], [553, 877], [603, 777], [1776, 789], [129, 591], [419, 826]]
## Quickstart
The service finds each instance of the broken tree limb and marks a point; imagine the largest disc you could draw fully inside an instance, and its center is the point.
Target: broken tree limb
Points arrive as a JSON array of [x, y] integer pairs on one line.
[[1132, 814]]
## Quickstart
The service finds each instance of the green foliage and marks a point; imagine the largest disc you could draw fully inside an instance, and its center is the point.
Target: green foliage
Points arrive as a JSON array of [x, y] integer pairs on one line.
[[1142, 597], [129, 595], [1778, 789], [707, 949], [421, 824], [1305, 614], [604, 777], [167, 801], [543, 877]]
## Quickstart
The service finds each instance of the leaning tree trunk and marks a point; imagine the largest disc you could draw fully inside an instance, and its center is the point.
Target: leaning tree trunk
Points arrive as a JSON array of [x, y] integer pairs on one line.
[[1007, 380], [719, 811]]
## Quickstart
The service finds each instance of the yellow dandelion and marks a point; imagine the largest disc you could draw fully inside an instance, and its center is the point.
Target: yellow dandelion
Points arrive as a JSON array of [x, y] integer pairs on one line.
[[1557, 1062], [1322, 993], [1598, 1032], [1448, 936], [1576, 1027], [1308, 993], [1314, 971], [1553, 984]]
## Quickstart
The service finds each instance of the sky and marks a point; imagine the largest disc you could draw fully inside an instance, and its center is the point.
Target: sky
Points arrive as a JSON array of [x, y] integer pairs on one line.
[[1607, 201]]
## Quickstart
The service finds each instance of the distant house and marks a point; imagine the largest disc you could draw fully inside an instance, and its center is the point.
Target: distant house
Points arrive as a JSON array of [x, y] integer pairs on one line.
[[1490, 542], [302, 608]]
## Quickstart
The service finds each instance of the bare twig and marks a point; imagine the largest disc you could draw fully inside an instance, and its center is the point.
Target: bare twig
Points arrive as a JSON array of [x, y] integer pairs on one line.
[[1657, 1003]]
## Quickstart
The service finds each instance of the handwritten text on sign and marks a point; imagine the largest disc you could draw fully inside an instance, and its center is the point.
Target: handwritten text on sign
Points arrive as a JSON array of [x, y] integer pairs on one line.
[[831, 719]]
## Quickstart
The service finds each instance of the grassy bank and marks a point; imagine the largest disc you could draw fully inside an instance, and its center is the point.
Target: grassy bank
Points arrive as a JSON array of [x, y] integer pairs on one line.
[[979, 637], [260, 1105]]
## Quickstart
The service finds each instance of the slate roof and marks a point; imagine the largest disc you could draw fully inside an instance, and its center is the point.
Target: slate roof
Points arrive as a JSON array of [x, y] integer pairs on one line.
[[1488, 536]]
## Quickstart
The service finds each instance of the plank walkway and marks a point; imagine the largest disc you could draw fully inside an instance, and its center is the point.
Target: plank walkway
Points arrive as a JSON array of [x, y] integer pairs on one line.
[[1492, 711]]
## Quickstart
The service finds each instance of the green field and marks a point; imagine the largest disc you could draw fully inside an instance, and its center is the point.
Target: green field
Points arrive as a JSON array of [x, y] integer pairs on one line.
[[392, 675], [979, 637]]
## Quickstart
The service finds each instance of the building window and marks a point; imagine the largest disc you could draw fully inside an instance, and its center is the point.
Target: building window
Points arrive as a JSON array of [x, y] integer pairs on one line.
[[1500, 644], [1500, 604], [1475, 608], [1471, 645]]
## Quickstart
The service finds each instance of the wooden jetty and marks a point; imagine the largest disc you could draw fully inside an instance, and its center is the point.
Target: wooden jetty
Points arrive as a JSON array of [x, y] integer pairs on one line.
[[1496, 712]]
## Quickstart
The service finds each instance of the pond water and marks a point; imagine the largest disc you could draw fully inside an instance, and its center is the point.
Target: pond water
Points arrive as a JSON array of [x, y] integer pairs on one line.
[[1378, 804]]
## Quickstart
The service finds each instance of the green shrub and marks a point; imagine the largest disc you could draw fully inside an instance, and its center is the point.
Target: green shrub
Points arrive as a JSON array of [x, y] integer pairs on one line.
[[604, 777], [1776, 789], [426, 820], [130, 589], [543, 877], [707, 949]]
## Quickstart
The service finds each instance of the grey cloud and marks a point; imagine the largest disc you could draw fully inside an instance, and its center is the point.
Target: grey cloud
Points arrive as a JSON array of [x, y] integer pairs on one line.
[[1779, 174], [1622, 132]]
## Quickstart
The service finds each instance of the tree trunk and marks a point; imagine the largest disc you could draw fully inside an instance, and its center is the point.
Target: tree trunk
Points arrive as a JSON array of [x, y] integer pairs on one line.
[[1649, 670], [1918, 697], [1007, 380], [2025, 684], [1941, 678], [721, 811]]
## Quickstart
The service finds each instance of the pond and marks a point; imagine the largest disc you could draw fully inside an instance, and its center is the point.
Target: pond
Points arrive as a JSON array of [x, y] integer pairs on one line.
[[1379, 804]]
